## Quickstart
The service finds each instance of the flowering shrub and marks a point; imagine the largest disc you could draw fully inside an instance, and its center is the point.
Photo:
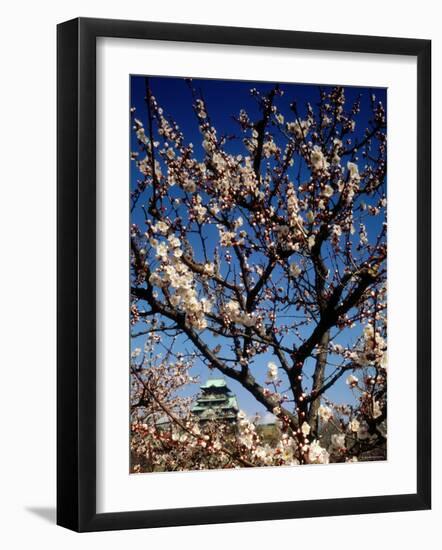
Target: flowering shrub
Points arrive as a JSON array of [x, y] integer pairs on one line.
[[278, 251]]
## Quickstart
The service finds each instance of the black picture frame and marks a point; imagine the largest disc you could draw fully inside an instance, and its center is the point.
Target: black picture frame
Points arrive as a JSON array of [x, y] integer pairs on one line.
[[76, 273]]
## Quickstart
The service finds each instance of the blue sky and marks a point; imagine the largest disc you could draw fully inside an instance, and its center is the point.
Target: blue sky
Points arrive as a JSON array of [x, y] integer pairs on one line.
[[224, 99]]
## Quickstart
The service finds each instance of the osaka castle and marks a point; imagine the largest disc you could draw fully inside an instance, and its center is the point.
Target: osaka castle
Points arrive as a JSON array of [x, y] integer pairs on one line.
[[216, 402]]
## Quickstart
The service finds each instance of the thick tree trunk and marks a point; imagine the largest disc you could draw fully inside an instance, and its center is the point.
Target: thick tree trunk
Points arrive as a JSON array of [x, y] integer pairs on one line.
[[318, 382]]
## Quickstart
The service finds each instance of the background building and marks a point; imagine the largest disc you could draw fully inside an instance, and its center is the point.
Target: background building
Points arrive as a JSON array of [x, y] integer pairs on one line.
[[216, 402]]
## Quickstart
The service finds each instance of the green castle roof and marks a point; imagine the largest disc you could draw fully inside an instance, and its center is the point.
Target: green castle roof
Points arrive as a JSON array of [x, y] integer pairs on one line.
[[231, 403], [214, 383]]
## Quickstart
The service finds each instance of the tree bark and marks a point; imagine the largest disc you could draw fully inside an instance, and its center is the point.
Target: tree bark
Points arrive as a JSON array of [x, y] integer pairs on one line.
[[318, 382]]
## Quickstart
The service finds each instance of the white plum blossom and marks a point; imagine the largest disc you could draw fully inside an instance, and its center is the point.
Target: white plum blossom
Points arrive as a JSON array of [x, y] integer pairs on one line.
[[162, 251], [318, 160], [170, 153], [305, 428], [155, 279], [354, 425], [135, 353], [209, 269], [374, 347], [175, 274], [139, 131], [270, 149], [227, 238], [338, 348], [239, 222], [160, 227], [299, 128], [338, 442], [317, 454], [353, 171], [295, 270], [377, 411], [272, 371], [325, 413], [351, 380], [175, 300], [199, 210], [189, 186], [174, 241], [232, 310], [328, 191], [336, 232]]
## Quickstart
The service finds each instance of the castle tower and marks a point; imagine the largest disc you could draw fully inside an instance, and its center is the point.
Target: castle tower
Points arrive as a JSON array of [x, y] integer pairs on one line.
[[216, 402]]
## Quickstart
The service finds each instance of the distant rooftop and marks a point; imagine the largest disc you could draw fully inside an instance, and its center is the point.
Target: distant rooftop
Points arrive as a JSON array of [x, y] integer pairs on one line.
[[214, 383], [230, 403]]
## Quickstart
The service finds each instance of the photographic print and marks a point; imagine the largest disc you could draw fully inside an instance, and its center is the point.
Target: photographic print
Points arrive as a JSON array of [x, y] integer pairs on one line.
[[258, 274]]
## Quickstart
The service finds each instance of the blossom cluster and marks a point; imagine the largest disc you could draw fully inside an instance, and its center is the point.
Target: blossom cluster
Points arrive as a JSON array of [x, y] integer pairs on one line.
[[177, 280]]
